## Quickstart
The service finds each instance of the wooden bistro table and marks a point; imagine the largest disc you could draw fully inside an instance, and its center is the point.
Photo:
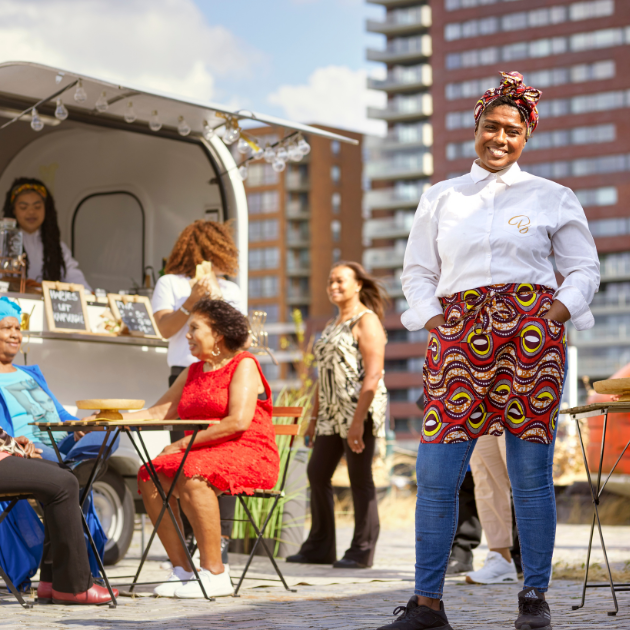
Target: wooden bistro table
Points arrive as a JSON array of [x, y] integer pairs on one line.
[[597, 487], [110, 420]]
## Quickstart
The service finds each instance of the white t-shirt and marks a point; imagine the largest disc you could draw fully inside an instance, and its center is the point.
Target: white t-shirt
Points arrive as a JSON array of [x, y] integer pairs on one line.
[[171, 291], [34, 249]]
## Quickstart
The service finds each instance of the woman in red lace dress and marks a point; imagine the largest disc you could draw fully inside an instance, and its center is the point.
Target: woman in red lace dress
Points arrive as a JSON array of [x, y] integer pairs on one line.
[[235, 455]]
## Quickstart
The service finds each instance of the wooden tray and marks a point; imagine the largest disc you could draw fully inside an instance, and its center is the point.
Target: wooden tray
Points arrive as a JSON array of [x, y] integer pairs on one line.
[[614, 387], [109, 408]]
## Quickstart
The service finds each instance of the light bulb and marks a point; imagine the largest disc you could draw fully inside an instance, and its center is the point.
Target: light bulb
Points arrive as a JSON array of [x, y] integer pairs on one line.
[[243, 172], [258, 152], [278, 165], [61, 113], [295, 155], [80, 95], [269, 154], [243, 146], [220, 131], [231, 135], [183, 128], [37, 124], [282, 154], [208, 131], [130, 115], [154, 121], [101, 103], [304, 146]]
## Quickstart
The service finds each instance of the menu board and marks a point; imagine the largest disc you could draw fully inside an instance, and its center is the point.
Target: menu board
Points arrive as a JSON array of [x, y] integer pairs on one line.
[[135, 312], [66, 308]]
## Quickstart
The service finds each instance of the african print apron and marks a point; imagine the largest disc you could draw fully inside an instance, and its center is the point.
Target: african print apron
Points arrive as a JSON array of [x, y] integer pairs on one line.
[[495, 364]]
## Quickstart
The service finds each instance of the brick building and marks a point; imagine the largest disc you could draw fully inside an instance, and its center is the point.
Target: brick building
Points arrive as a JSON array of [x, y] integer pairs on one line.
[[300, 221], [577, 53]]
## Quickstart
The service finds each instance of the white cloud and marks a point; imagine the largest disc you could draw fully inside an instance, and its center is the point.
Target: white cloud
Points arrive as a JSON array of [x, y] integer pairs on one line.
[[165, 45], [335, 96]]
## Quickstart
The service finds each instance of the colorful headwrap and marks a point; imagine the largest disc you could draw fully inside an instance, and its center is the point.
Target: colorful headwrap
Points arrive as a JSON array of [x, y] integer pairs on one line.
[[8, 308], [38, 188], [524, 97]]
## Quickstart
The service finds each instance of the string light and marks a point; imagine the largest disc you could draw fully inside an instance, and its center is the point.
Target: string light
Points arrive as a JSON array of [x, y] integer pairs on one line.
[[207, 131], [304, 146], [154, 121], [183, 128], [101, 104], [243, 171], [130, 115], [269, 155], [61, 112], [37, 124], [80, 95], [278, 165], [243, 146], [282, 154], [232, 133]]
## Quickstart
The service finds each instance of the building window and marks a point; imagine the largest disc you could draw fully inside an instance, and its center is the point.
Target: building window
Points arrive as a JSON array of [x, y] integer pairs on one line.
[[335, 147], [606, 196], [263, 287], [264, 258], [604, 38], [335, 173], [336, 202], [609, 227], [264, 230], [263, 202], [581, 167], [336, 255], [335, 228], [261, 175], [272, 310]]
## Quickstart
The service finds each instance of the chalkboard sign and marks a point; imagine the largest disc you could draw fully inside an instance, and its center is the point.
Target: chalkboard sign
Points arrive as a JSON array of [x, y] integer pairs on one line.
[[66, 308], [135, 313]]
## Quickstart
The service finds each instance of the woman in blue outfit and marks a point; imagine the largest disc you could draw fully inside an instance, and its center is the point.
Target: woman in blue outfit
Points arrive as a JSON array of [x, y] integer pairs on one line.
[[26, 398]]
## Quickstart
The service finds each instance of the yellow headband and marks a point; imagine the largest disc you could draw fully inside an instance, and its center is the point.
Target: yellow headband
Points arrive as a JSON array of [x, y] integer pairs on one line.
[[38, 188]]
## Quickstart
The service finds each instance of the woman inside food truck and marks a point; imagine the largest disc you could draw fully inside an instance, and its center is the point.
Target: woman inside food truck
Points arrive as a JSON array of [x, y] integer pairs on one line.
[[48, 258]]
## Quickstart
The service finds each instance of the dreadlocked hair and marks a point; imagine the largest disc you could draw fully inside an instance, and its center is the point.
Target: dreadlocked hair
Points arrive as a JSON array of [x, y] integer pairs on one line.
[[54, 266], [204, 240]]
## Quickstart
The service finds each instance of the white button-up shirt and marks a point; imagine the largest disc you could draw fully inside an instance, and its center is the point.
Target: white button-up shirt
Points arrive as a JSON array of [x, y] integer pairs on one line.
[[498, 228]]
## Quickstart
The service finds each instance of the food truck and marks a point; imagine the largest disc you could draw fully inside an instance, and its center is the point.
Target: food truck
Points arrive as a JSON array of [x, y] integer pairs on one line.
[[128, 169]]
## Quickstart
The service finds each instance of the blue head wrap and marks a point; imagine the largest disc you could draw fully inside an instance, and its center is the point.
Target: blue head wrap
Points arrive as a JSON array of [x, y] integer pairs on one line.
[[8, 308]]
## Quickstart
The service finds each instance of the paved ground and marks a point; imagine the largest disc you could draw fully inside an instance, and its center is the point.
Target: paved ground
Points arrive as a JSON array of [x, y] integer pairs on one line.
[[328, 599]]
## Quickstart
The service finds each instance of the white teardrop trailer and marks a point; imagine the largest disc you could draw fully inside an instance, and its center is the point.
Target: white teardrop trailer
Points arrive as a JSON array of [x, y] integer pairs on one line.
[[126, 182]]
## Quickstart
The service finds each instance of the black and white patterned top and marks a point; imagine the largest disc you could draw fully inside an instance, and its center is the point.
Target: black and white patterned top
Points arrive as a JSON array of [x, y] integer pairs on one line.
[[341, 374]]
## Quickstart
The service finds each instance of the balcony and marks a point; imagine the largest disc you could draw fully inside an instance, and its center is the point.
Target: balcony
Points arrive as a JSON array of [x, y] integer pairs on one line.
[[297, 211], [383, 258], [298, 239], [403, 50], [296, 182], [402, 138], [392, 227], [415, 166], [393, 198], [297, 298], [403, 22], [404, 110], [294, 270]]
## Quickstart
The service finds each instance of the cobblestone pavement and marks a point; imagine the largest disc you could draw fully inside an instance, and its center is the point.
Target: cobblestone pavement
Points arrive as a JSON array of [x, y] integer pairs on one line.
[[335, 599]]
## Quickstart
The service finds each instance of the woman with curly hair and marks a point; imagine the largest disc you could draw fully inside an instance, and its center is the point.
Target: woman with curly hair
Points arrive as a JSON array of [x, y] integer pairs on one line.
[[30, 203], [174, 299], [234, 455]]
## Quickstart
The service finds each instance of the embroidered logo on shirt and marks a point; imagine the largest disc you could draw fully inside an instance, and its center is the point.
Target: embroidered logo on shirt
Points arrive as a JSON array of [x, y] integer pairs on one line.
[[522, 222]]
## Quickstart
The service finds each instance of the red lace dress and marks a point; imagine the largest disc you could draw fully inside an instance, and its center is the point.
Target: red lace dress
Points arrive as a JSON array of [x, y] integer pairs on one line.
[[240, 464]]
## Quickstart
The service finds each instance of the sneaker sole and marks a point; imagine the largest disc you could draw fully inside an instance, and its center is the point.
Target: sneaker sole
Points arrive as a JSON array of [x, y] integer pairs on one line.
[[446, 627], [502, 579], [200, 596]]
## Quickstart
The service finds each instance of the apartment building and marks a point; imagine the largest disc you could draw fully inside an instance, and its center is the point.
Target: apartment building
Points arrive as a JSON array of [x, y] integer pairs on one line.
[[301, 220], [398, 168], [578, 54]]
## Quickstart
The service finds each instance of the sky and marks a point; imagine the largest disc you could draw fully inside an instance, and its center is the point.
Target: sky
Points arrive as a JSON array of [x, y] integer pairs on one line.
[[298, 59]]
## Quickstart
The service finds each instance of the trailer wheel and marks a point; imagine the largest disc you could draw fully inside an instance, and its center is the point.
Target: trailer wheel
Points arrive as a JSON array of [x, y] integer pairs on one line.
[[114, 505]]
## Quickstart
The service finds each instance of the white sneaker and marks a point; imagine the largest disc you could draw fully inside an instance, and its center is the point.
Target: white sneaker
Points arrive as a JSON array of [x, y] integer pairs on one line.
[[176, 579], [496, 570], [215, 585]]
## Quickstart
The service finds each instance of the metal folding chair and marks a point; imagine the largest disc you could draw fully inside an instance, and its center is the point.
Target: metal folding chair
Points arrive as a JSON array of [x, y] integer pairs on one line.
[[13, 498], [273, 495]]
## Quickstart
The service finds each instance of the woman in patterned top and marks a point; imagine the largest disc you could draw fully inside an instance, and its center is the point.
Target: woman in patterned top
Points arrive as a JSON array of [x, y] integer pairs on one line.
[[348, 417]]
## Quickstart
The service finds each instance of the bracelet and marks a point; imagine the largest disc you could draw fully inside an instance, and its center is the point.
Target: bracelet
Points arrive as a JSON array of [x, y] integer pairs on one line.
[[184, 310]]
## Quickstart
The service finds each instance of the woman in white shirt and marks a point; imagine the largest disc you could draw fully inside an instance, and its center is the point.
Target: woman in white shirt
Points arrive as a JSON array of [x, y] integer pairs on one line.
[[48, 258], [478, 276], [174, 299]]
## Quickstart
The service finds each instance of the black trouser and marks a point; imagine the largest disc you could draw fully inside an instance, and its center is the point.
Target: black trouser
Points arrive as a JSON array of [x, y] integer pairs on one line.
[[468, 534], [65, 560], [321, 545], [227, 504]]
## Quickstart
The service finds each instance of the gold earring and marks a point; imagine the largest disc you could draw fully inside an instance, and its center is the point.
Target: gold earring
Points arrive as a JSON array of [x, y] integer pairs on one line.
[[215, 354]]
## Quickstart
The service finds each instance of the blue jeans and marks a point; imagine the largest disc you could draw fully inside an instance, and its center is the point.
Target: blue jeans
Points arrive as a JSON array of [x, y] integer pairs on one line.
[[440, 470], [85, 448]]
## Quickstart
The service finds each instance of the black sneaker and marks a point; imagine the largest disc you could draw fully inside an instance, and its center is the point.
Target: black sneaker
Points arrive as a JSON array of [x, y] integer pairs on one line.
[[456, 567], [533, 611], [416, 617]]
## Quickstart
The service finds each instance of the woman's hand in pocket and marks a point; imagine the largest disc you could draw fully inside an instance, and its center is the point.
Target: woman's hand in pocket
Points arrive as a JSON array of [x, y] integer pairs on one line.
[[558, 312], [435, 322]]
